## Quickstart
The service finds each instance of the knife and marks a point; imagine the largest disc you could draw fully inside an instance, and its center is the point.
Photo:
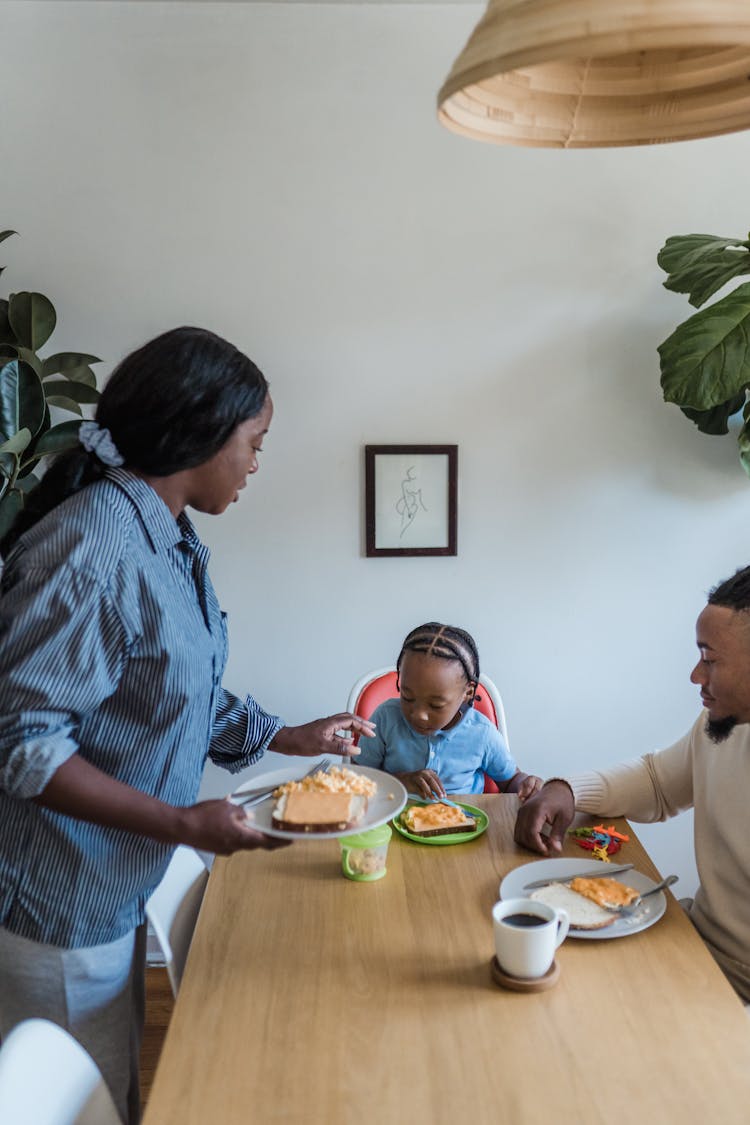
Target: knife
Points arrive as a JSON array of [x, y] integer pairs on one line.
[[602, 869]]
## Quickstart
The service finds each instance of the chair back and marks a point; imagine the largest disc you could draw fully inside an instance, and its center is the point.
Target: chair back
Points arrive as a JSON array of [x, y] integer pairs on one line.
[[173, 909], [375, 687], [48, 1078]]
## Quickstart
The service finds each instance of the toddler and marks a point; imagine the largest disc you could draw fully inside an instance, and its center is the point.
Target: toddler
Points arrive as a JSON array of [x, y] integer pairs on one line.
[[432, 738]]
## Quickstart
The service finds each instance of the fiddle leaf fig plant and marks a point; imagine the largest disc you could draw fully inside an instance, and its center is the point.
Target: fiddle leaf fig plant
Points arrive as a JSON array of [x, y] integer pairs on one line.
[[705, 363], [29, 386]]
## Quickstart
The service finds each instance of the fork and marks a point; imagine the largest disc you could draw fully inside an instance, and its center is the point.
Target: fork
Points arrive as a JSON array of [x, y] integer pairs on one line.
[[633, 906], [255, 796]]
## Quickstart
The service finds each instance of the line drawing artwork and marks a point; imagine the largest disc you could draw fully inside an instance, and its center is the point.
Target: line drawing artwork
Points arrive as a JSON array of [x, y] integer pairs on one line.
[[410, 500]]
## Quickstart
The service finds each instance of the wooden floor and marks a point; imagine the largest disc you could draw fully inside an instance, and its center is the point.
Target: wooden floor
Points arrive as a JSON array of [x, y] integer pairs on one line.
[[159, 1005]]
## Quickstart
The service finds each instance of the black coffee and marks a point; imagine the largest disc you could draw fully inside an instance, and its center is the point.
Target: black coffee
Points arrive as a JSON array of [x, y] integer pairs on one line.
[[524, 920]]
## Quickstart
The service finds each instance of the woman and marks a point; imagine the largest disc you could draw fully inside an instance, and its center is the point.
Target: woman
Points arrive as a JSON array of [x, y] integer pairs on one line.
[[112, 650]]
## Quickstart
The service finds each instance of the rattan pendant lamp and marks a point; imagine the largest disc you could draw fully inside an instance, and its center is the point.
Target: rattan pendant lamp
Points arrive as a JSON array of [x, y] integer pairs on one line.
[[593, 73]]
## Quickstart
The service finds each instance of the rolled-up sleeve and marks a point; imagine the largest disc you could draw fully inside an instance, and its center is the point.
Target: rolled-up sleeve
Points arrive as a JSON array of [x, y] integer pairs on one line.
[[62, 645], [241, 732]]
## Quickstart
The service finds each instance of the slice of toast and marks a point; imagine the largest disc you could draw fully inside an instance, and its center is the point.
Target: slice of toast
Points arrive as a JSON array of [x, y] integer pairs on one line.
[[582, 912], [305, 811], [437, 820]]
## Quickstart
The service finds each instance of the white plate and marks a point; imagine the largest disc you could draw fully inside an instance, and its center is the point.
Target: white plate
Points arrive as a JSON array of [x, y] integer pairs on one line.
[[649, 911], [387, 803]]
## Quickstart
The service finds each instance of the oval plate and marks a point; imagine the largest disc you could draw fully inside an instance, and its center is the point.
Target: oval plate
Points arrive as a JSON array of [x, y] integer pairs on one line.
[[650, 910], [455, 838]]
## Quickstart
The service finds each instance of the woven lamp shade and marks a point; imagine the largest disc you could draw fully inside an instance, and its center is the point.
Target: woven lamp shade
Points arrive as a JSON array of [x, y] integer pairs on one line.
[[597, 73]]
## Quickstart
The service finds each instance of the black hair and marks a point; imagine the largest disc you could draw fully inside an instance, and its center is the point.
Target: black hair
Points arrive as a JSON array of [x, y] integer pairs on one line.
[[170, 405], [447, 642], [734, 592]]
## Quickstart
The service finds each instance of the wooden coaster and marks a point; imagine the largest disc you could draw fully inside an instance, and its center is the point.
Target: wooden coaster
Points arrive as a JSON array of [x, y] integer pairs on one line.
[[517, 984]]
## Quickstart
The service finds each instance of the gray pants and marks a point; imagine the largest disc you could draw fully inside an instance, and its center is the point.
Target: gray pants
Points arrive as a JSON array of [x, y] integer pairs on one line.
[[97, 994]]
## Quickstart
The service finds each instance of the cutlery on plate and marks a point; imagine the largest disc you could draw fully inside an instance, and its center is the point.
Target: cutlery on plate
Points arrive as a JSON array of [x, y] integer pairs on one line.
[[434, 801], [633, 906], [247, 797], [603, 870]]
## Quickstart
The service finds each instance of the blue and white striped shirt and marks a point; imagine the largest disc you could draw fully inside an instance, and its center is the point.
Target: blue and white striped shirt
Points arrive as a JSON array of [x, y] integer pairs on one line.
[[113, 646]]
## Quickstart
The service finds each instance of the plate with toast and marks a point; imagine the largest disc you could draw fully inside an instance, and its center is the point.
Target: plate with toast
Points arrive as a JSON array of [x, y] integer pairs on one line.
[[333, 802], [432, 822], [601, 907]]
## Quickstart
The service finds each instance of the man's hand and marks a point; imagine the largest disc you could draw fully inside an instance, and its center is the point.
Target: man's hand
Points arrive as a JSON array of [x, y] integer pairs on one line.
[[222, 828], [322, 736], [553, 805], [426, 783]]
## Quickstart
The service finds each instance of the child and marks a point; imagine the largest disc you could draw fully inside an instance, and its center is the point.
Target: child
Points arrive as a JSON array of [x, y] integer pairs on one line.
[[432, 738]]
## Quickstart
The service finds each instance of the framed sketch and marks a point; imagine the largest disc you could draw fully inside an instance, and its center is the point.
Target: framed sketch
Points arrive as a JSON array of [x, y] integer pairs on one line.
[[411, 500]]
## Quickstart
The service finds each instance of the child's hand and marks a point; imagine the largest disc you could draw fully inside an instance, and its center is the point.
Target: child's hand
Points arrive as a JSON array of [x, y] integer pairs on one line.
[[529, 785], [424, 782]]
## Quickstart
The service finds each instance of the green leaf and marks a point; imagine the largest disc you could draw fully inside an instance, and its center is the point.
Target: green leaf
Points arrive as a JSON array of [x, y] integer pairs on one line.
[[63, 403], [7, 335], [17, 443], [27, 482], [715, 421], [700, 264], [6, 234], [743, 440], [58, 439], [65, 363], [31, 358], [33, 318], [706, 360], [21, 399], [10, 505], [79, 392]]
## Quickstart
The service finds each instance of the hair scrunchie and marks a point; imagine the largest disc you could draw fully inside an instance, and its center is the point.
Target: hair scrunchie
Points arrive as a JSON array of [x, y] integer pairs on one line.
[[98, 440]]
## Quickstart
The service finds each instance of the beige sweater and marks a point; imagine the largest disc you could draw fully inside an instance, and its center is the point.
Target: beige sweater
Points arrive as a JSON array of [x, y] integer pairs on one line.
[[715, 781]]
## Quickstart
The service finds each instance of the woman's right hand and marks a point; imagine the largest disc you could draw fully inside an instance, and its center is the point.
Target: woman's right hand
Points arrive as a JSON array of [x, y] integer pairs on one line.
[[426, 783], [221, 827]]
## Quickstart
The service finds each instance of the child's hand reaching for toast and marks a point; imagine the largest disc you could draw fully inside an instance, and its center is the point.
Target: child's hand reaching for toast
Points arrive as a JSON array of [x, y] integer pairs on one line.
[[424, 782]]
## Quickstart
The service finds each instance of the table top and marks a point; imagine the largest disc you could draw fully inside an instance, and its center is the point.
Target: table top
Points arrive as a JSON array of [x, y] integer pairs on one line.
[[311, 998]]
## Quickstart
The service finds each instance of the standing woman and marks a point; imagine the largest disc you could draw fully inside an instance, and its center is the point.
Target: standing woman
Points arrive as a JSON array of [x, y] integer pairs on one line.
[[112, 651]]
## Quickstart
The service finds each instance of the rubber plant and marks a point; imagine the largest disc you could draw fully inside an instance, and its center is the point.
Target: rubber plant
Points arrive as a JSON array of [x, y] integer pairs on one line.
[[705, 363], [29, 386]]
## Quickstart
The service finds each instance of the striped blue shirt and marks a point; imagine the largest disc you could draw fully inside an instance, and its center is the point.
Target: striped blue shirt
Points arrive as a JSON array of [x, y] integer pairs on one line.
[[113, 646]]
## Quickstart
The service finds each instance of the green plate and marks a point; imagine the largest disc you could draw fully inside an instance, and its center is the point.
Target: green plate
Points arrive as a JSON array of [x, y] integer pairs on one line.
[[442, 841]]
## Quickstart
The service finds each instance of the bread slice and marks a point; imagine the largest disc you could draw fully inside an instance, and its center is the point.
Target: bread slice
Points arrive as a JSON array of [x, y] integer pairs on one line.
[[582, 912], [310, 811], [437, 820]]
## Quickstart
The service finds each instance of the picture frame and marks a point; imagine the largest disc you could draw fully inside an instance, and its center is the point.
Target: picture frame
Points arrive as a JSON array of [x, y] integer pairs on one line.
[[411, 500]]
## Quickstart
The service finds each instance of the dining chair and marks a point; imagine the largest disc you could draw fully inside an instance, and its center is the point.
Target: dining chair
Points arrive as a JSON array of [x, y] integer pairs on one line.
[[375, 687], [48, 1078], [173, 908]]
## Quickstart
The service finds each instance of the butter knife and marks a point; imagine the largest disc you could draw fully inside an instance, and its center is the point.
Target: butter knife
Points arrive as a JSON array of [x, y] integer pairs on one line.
[[603, 869]]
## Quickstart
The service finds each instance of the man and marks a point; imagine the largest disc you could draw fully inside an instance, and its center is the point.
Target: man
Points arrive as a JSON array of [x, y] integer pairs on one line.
[[708, 770]]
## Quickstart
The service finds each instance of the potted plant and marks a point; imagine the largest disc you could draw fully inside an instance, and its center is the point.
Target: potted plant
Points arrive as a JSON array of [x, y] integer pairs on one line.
[[705, 363], [29, 386]]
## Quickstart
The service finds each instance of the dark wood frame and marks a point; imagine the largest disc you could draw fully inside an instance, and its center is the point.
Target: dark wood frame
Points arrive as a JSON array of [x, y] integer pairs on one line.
[[373, 451]]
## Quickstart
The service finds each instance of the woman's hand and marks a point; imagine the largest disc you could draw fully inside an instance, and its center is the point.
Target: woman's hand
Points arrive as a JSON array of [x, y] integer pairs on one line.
[[322, 736], [222, 828], [426, 783]]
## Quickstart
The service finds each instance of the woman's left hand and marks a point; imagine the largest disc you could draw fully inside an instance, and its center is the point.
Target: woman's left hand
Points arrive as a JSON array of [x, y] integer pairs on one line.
[[322, 736]]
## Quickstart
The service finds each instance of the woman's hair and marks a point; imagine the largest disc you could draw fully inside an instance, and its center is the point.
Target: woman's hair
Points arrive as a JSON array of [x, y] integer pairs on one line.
[[447, 642], [169, 406]]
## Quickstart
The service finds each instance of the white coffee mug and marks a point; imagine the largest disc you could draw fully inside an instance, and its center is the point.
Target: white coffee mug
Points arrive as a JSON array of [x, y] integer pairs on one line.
[[527, 933]]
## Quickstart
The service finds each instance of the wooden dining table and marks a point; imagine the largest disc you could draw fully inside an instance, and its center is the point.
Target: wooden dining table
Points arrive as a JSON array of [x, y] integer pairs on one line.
[[310, 998]]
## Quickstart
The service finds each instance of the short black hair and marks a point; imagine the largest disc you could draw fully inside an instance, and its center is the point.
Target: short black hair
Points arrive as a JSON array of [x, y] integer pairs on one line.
[[447, 642], [733, 593]]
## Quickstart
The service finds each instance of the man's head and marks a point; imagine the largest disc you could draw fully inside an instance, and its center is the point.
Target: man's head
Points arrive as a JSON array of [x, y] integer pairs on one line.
[[723, 669]]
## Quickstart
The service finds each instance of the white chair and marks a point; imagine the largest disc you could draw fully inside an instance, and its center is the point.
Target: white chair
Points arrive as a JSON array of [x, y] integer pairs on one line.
[[48, 1078], [173, 909], [375, 687]]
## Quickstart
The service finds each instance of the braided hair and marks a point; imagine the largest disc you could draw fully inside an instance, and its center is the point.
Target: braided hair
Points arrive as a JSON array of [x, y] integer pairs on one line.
[[447, 642]]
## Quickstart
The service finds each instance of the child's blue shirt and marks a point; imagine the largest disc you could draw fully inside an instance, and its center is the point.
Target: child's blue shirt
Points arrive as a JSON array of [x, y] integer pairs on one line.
[[459, 756]]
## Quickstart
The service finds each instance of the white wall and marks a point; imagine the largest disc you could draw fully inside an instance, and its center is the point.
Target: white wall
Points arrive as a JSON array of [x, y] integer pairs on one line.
[[276, 173]]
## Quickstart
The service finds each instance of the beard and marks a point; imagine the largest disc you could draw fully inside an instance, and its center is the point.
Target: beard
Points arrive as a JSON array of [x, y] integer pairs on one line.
[[719, 730]]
